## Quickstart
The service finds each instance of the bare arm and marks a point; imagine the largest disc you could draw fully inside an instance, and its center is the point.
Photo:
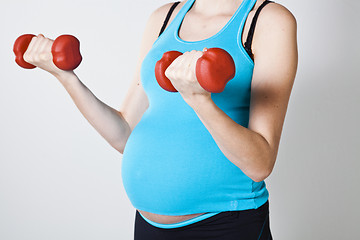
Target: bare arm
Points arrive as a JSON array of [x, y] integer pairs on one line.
[[107, 121], [114, 125], [254, 149]]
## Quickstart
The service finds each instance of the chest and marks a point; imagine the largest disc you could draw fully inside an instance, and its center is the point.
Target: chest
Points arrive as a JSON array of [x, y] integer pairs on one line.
[[195, 27]]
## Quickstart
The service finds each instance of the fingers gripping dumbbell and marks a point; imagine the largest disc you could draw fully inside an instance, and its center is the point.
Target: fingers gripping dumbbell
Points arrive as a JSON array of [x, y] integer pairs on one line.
[[65, 51], [213, 69]]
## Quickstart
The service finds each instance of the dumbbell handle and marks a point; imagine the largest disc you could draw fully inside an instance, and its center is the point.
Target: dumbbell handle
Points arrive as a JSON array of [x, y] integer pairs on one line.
[[65, 51]]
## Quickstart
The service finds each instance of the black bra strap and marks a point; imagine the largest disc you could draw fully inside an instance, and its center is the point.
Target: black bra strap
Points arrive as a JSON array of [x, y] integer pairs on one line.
[[168, 16], [252, 29]]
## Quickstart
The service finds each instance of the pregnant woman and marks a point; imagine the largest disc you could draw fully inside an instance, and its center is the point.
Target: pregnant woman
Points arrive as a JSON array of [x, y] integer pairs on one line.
[[194, 162]]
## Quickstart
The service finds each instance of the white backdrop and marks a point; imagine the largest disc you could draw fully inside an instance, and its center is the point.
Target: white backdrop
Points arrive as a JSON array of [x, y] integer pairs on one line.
[[59, 179]]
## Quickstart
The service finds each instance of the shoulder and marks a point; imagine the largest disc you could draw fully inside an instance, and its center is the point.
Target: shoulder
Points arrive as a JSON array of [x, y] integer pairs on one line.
[[155, 22], [159, 14], [278, 16], [276, 30], [163, 9]]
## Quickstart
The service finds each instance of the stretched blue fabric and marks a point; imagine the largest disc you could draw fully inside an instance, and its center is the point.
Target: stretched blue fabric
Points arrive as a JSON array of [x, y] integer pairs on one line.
[[171, 164]]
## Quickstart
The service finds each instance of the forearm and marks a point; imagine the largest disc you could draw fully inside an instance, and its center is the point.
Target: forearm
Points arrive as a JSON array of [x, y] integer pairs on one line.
[[247, 149], [107, 121]]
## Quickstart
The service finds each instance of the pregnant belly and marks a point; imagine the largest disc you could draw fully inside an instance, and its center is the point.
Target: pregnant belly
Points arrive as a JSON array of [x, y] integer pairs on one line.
[[166, 219], [178, 172]]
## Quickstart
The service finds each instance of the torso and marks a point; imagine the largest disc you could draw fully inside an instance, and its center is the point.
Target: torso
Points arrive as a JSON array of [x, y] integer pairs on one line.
[[189, 31]]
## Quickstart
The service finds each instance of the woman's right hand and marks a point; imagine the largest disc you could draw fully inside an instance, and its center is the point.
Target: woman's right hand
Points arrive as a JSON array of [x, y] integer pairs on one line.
[[39, 54]]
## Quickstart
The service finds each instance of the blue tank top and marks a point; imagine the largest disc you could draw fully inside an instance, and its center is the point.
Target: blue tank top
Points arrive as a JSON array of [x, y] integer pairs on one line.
[[171, 165]]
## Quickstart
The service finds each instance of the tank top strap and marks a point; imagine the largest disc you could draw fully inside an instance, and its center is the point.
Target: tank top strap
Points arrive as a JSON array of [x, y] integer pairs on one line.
[[236, 23], [174, 24], [233, 26], [230, 30]]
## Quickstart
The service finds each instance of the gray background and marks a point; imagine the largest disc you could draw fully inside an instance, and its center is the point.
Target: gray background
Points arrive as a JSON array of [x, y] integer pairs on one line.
[[59, 179]]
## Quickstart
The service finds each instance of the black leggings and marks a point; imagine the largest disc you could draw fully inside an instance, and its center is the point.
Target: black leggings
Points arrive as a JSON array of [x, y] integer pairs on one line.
[[251, 224]]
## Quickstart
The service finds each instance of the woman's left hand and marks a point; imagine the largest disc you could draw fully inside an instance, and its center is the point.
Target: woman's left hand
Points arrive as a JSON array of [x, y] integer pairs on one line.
[[181, 72]]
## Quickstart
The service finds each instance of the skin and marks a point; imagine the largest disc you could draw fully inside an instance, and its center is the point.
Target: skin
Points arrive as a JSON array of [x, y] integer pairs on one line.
[[253, 149]]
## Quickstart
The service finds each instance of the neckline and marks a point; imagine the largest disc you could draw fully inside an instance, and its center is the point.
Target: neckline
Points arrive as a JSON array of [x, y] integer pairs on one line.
[[213, 36]]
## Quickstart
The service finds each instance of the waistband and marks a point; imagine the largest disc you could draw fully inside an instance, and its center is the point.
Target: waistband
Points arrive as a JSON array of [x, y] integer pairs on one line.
[[180, 224], [263, 207]]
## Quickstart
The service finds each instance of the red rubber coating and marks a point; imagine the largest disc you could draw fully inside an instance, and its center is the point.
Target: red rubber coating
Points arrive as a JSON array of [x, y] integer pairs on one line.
[[214, 69], [160, 68], [20, 46], [65, 51]]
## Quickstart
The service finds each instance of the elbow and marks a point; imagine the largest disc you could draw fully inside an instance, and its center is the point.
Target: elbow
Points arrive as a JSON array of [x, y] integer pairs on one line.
[[120, 150], [120, 143], [119, 147], [265, 169], [261, 175]]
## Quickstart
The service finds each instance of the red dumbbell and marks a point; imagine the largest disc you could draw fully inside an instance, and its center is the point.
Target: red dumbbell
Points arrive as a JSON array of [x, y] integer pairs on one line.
[[213, 69], [65, 51]]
